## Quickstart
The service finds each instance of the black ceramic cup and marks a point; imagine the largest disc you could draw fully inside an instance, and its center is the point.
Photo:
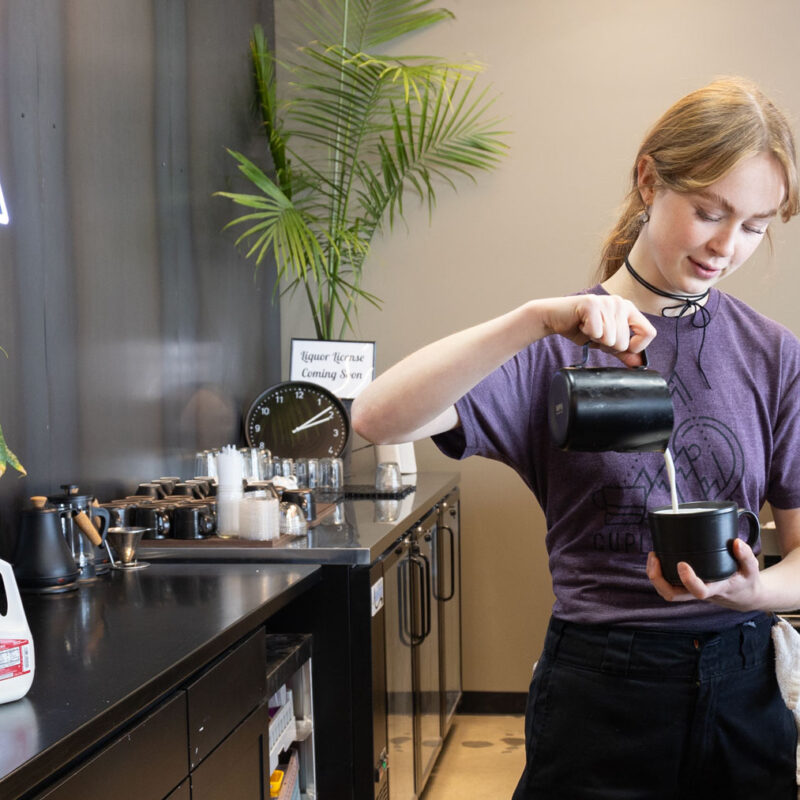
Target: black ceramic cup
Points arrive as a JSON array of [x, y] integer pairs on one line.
[[305, 499], [702, 534], [154, 518], [192, 522]]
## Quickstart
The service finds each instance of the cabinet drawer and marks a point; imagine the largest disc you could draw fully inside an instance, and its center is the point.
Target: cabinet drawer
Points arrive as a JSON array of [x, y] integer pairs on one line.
[[234, 771], [183, 792], [225, 694], [144, 763]]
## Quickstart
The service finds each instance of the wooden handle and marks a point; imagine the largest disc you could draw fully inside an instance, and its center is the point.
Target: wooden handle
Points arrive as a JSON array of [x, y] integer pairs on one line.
[[38, 501], [85, 524]]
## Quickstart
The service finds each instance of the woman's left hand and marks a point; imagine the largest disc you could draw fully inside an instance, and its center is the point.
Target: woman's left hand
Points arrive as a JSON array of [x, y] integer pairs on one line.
[[740, 591]]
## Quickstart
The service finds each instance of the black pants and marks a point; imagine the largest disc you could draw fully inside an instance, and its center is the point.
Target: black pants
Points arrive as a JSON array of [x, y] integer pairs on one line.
[[619, 713]]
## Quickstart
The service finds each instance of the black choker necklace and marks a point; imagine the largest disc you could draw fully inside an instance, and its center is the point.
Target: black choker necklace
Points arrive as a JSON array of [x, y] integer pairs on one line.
[[686, 303]]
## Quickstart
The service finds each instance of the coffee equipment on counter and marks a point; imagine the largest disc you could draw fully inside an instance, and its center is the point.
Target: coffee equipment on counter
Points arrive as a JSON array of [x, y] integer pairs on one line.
[[155, 517], [123, 542], [623, 409], [77, 512], [303, 498], [43, 562], [192, 521]]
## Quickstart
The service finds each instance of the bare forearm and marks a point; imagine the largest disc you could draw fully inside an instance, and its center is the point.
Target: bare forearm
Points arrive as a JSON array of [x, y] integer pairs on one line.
[[421, 387], [415, 397], [780, 584]]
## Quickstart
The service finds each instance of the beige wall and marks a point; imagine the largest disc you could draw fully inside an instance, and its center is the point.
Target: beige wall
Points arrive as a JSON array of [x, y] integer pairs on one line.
[[580, 82]]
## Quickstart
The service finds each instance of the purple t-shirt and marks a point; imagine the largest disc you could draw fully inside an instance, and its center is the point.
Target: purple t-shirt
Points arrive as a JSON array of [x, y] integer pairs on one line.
[[737, 440]]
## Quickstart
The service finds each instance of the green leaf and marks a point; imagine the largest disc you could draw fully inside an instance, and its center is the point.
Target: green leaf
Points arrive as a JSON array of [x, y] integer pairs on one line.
[[7, 457]]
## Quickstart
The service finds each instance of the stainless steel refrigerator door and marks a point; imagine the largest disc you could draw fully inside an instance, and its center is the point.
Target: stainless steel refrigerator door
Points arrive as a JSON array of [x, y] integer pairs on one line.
[[399, 683], [448, 591], [427, 680]]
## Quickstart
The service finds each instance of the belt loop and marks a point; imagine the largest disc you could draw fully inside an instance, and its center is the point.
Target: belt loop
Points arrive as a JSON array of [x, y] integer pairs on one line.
[[618, 651], [748, 643]]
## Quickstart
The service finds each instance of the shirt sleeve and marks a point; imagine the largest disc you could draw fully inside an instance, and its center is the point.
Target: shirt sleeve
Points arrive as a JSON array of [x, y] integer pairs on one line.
[[783, 488], [495, 417]]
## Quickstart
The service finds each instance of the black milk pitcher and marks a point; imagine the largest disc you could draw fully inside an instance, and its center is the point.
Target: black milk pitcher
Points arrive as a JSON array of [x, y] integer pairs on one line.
[[624, 409]]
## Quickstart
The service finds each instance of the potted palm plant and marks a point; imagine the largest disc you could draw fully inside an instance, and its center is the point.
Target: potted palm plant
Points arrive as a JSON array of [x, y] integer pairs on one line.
[[356, 132]]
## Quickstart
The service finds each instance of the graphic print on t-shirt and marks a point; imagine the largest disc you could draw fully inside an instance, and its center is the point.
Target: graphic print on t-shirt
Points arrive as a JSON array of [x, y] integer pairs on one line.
[[709, 465]]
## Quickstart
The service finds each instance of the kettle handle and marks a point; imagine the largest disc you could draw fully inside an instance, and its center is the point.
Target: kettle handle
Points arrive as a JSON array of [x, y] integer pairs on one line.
[[585, 358]]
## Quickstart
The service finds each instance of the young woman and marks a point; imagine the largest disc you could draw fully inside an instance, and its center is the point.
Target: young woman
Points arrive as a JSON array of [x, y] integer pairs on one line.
[[644, 689]]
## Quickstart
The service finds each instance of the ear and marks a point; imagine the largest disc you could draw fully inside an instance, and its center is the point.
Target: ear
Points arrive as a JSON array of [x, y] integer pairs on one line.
[[646, 179]]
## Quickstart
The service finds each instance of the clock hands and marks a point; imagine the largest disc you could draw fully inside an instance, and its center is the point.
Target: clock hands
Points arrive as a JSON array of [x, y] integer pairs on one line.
[[322, 416]]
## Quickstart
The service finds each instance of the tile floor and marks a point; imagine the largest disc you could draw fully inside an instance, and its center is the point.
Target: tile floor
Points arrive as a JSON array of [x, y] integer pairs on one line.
[[483, 756]]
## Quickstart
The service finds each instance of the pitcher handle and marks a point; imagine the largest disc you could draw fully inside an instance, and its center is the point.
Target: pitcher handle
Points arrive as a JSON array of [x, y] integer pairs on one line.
[[585, 358], [753, 523]]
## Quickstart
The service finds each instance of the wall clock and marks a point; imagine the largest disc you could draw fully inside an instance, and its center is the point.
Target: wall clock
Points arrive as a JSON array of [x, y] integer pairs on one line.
[[296, 419]]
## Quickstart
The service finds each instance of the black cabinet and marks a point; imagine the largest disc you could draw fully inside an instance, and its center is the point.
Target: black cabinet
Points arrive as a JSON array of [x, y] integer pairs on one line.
[[183, 792], [211, 738], [147, 761], [234, 771], [224, 694]]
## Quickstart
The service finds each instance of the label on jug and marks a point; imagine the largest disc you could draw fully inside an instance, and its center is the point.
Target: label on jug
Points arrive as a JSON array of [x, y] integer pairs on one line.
[[15, 658]]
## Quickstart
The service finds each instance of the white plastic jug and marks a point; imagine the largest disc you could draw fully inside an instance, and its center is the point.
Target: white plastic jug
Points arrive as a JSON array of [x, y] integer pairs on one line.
[[16, 646]]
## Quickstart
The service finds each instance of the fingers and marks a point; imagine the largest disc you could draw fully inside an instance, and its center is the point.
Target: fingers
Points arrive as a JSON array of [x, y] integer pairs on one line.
[[738, 591], [662, 586], [614, 324]]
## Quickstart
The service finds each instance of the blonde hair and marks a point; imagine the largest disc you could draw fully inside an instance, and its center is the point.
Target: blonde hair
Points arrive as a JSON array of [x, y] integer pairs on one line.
[[698, 141]]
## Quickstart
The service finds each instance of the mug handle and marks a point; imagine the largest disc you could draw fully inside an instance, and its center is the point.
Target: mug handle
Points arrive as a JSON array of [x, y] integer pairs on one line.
[[753, 523], [585, 358]]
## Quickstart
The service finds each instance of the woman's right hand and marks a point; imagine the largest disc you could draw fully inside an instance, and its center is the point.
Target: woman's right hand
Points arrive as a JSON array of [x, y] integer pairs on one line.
[[608, 322]]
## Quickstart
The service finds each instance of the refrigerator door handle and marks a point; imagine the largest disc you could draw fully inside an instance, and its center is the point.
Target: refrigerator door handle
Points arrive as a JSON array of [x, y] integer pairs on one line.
[[404, 603], [426, 589], [424, 606], [445, 596]]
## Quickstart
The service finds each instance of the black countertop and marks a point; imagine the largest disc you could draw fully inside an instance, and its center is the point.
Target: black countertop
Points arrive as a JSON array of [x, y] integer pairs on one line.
[[355, 532], [111, 649]]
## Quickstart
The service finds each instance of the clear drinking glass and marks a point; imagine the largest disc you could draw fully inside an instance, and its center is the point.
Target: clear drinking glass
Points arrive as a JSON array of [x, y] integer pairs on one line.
[[313, 473], [264, 464], [388, 476], [301, 472], [331, 473]]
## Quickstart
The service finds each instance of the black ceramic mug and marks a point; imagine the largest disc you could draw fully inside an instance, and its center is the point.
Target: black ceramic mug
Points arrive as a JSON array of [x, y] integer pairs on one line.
[[702, 534], [192, 522], [623, 409], [154, 518]]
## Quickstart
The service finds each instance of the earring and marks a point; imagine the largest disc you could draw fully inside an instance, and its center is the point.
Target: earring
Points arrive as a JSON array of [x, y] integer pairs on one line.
[[644, 216]]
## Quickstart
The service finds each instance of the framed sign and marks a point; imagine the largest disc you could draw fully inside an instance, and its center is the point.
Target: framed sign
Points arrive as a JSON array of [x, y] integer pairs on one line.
[[344, 368]]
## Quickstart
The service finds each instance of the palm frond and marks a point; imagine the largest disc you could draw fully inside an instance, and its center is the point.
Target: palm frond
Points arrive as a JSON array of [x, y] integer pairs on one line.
[[365, 24], [448, 135]]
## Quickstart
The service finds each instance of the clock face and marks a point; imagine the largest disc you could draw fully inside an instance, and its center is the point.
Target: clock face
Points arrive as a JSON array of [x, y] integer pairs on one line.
[[297, 419]]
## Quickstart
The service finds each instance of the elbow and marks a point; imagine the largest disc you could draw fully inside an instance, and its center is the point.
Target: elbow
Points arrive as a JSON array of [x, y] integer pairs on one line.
[[366, 421]]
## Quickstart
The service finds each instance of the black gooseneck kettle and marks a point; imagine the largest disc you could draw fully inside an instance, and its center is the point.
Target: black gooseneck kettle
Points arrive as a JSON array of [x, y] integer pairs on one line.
[[624, 409], [42, 559]]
